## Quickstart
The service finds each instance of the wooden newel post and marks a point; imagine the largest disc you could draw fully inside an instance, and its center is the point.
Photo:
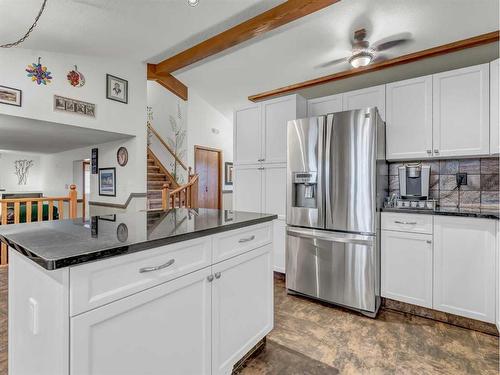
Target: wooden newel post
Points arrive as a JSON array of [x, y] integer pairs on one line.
[[164, 197], [189, 173], [73, 207]]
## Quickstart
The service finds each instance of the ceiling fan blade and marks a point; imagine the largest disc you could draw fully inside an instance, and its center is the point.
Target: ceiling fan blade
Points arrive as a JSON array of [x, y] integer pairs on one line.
[[392, 41], [332, 62]]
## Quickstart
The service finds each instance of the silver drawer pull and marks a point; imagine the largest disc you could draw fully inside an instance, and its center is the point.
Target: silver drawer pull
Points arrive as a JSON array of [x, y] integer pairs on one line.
[[218, 275], [156, 268], [248, 239], [406, 222]]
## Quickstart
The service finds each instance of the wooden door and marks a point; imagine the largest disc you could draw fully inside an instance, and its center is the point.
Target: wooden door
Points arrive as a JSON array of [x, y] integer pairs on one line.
[[406, 267], [464, 267], [242, 306], [461, 116], [208, 166], [162, 330], [409, 119]]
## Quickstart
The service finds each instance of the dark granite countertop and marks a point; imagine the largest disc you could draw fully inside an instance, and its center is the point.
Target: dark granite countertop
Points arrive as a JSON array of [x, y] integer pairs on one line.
[[449, 211], [62, 243]]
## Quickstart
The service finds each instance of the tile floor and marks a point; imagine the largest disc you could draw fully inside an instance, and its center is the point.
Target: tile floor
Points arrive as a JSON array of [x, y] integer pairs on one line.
[[311, 338], [314, 339]]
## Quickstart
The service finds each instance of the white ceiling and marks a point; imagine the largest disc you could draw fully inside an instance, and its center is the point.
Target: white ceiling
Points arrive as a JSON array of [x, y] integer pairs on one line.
[[149, 30], [23, 134]]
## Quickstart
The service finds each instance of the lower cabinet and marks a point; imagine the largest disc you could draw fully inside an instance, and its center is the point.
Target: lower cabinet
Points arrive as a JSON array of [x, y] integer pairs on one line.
[[406, 267], [279, 238], [242, 306], [464, 267], [162, 330], [200, 323]]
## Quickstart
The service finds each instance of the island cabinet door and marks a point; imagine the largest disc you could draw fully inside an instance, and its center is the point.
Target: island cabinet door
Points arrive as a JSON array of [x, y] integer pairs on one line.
[[242, 306], [162, 330]]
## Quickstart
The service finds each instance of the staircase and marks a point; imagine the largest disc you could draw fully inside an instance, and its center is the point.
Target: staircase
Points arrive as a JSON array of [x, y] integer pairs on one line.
[[157, 177]]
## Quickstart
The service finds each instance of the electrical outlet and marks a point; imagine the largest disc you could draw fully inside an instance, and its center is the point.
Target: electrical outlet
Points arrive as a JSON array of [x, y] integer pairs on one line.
[[461, 179]]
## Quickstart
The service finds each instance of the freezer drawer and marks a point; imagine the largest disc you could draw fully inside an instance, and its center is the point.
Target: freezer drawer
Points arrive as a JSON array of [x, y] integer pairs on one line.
[[336, 267]]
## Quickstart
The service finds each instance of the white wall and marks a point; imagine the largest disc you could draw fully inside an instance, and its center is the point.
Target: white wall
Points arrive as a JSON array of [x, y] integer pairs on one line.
[[202, 120], [110, 115], [8, 178]]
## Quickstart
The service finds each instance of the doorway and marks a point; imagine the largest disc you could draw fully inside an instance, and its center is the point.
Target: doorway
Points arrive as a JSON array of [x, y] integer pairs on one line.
[[208, 166]]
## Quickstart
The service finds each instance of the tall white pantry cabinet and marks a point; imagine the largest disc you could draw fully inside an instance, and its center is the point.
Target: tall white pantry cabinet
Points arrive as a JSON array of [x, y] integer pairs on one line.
[[260, 139]]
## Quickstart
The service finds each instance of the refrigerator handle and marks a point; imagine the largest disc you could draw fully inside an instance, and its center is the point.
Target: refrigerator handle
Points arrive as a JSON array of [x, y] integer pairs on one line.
[[327, 169], [320, 170]]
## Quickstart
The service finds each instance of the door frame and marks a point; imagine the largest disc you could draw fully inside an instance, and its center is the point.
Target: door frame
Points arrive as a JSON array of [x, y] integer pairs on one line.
[[219, 176]]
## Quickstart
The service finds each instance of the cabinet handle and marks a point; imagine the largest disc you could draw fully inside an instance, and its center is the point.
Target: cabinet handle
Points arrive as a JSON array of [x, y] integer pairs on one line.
[[260, 168], [156, 268], [429, 241], [218, 275], [436, 151], [261, 159], [429, 152], [405, 222], [247, 239], [210, 278]]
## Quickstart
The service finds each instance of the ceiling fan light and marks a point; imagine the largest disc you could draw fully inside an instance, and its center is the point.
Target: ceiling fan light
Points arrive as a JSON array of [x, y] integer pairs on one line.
[[193, 3], [361, 59]]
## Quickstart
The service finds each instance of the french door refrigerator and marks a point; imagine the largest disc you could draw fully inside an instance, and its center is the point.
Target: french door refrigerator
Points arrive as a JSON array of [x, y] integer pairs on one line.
[[337, 179]]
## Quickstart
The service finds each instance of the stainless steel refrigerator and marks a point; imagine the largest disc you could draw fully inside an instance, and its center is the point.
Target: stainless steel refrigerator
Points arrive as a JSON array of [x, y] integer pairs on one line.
[[337, 179]]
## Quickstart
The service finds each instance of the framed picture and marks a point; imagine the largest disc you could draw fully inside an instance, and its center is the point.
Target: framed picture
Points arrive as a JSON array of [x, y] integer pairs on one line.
[[228, 173], [107, 182], [74, 106], [111, 217], [116, 89], [10, 96], [122, 156], [94, 160]]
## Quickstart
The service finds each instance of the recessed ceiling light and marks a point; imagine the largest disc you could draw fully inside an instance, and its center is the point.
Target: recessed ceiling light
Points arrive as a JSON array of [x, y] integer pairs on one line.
[[193, 3], [361, 59]]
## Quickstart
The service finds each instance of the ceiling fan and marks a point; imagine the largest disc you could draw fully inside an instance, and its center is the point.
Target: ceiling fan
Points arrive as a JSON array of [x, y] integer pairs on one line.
[[363, 53]]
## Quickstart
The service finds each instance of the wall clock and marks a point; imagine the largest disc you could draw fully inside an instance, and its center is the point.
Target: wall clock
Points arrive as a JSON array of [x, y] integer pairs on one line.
[[122, 156]]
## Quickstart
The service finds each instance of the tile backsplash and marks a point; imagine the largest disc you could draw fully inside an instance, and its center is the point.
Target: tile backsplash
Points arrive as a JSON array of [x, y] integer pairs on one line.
[[481, 191]]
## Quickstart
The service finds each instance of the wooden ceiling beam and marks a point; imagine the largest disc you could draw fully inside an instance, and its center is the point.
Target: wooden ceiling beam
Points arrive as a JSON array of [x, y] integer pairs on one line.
[[405, 59], [280, 15], [168, 81]]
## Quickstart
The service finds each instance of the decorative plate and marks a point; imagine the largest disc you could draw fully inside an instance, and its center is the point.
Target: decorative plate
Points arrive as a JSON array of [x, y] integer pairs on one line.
[[75, 78], [122, 156]]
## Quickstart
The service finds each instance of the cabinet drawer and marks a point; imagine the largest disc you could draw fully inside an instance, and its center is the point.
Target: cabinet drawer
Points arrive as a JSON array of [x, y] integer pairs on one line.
[[229, 244], [95, 284], [416, 223]]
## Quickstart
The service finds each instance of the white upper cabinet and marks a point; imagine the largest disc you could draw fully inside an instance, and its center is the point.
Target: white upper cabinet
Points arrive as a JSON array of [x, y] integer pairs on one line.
[[274, 190], [260, 130], [464, 267], [324, 105], [409, 119], [247, 135], [494, 107], [369, 97], [461, 112]]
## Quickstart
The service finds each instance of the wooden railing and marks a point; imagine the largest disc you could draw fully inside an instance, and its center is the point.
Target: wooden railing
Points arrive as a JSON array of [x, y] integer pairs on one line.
[[169, 149], [183, 196], [17, 203]]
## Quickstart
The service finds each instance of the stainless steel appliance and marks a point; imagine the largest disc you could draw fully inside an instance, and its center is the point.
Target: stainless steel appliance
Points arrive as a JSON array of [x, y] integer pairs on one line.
[[414, 181], [337, 182]]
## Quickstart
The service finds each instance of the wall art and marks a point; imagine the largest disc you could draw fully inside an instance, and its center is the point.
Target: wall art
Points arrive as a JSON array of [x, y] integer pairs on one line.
[[22, 168], [94, 160], [122, 156], [228, 173], [107, 182], [116, 89], [74, 106], [11, 96], [75, 78], [39, 73]]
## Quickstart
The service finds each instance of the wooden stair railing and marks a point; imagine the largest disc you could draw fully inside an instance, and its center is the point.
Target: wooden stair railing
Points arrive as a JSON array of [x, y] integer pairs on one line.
[[183, 196], [169, 149], [28, 202]]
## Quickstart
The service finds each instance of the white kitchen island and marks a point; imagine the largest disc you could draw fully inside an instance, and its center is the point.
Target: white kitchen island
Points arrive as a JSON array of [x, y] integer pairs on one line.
[[184, 292]]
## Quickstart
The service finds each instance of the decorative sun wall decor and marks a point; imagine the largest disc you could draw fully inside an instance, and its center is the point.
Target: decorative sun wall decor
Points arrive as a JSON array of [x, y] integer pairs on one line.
[[39, 73]]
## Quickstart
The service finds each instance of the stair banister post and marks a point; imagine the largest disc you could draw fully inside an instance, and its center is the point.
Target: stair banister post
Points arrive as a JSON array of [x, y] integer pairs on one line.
[[73, 208], [164, 197]]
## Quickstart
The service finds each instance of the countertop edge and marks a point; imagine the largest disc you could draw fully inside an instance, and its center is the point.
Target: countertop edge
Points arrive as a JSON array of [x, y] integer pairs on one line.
[[491, 215], [52, 265]]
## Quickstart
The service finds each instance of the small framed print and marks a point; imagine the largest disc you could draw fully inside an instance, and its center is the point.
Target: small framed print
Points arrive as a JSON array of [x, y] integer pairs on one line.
[[122, 156], [90, 110], [74, 106], [116, 89], [107, 182], [228, 173], [10, 96], [70, 106]]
